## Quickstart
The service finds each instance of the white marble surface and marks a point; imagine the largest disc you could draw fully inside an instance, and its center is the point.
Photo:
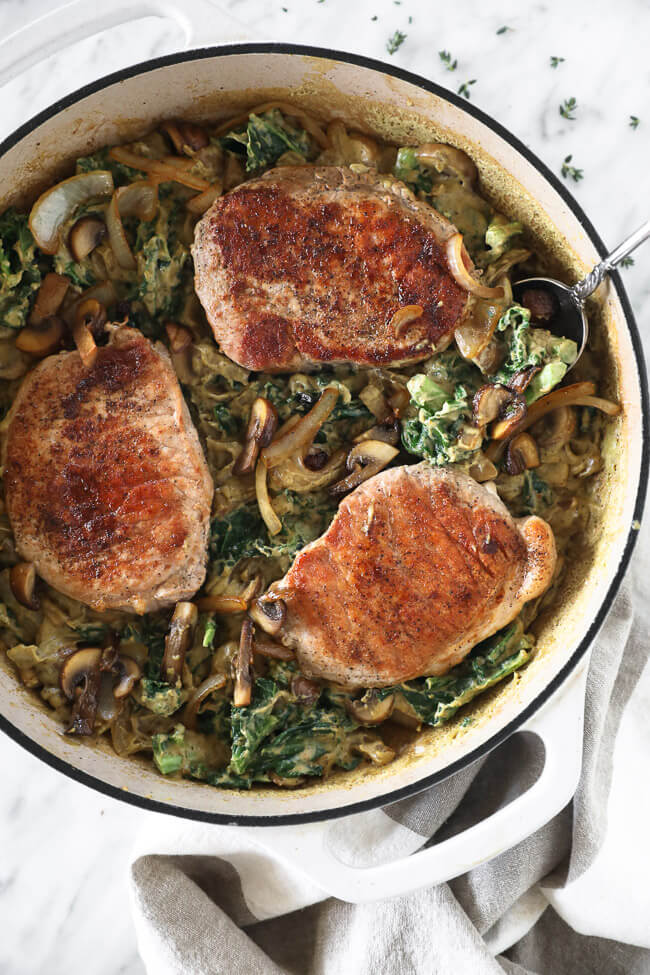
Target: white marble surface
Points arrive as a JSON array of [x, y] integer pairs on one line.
[[63, 848]]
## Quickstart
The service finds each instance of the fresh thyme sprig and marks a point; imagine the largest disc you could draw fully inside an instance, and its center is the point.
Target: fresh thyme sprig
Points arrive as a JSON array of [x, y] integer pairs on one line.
[[464, 88], [503, 30], [634, 122], [395, 42], [568, 106], [445, 57], [570, 172], [626, 262], [555, 61]]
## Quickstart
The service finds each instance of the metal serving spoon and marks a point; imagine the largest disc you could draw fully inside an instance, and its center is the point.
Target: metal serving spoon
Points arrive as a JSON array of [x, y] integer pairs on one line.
[[570, 301]]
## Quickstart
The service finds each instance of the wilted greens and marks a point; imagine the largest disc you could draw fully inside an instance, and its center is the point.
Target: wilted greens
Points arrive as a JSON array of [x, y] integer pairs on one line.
[[265, 139]]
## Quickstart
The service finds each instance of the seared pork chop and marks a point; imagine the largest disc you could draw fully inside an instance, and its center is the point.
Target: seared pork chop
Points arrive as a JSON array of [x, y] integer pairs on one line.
[[419, 565], [107, 489], [310, 264]]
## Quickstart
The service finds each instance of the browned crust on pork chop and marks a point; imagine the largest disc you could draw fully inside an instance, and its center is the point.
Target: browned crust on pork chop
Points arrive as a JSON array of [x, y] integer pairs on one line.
[[418, 566], [106, 486], [310, 264]]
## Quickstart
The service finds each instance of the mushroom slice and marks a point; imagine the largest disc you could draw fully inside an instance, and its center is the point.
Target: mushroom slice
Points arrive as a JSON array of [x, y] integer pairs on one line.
[[489, 403], [80, 681], [276, 651], [185, 135], [387, 432], [371, 709], [43, 339], [178, 640], [179, 338], [559, 428], [511, 417], [269, 614], [375, 750], [58, 204], [128, 672], [364, 461], [522, 454], [578, 394], [49, 298], [244, 667], [541, 304], [22, 579], [307, 690], [522, 380], [262, 424], [85, 236], [215, 682]]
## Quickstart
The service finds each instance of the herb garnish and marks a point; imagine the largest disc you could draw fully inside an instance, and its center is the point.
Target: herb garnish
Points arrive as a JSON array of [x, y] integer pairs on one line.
[[464, 88], [503, 30], [568, 106], [555, 61], [634, 122], [571, 171], [626, 262], [445, 57], [395, 42]]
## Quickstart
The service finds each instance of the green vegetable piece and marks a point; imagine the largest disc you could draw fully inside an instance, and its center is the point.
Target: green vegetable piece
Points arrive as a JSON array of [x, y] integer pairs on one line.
[[168, 751], [160, 698], [265, 139], [20, 271], [434, 700]]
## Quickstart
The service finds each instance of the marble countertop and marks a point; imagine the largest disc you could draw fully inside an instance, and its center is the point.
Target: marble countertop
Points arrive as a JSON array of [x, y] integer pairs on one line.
[[63, 848]]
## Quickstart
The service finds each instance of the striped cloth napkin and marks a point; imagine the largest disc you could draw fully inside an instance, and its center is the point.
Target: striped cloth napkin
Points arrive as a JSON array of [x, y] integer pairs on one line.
[[573, 898]]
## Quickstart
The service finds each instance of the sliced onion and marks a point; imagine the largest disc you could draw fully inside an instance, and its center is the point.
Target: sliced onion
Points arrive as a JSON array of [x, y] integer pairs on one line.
[[57, 205], [211, 684], [221, 604], [269, 516], [478, 325], [203, 201], [303, 432], [456, 252], [169, 169], [139, 199]]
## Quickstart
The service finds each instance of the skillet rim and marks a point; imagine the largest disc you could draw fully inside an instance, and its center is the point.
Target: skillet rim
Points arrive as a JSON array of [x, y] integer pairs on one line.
[[373, 64]]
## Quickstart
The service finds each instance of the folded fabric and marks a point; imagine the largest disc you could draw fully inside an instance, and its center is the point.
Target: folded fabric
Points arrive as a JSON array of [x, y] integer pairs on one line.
[[208, 899]]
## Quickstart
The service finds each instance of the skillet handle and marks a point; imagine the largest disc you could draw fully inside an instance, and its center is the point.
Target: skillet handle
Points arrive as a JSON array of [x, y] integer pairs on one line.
[[559, 724], [201, 22]]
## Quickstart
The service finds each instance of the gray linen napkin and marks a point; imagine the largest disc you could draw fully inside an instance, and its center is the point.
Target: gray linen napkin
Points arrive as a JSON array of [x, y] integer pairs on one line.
[[199, 914]]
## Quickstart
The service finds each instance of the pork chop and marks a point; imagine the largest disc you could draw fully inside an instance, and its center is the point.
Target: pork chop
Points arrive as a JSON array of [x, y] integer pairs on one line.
[[419, 565], [107, 489], [310, 264]]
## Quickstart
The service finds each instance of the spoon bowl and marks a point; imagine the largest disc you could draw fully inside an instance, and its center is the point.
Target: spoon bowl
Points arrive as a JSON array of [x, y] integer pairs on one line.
[[568, 318]]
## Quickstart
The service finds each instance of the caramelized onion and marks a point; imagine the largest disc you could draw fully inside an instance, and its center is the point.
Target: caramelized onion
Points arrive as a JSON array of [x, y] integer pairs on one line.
[[203, 201], [211, 684], [455, 251], [269, 516], [169, 169], [138, 199], [57, 205], [303, 432]]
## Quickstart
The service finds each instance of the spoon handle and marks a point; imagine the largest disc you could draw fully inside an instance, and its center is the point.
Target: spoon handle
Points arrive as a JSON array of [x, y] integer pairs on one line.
[[588, 285]]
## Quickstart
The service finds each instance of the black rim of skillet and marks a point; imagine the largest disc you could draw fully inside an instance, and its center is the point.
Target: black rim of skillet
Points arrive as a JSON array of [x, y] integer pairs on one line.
[[424, 783]]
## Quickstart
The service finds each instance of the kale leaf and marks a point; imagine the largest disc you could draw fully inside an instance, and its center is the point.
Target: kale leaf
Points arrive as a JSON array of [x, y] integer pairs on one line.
[[20, 273], [434, 700], [533, 347], [266, 138]]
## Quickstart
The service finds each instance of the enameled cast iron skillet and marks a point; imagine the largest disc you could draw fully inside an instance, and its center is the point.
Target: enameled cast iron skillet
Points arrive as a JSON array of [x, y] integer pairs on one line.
[[218, 82]]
